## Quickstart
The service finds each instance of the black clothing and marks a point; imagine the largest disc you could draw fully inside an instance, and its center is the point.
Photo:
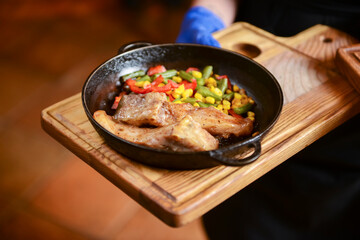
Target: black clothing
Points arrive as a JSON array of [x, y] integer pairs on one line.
[[313, 195], [316, 193], [286, 18]]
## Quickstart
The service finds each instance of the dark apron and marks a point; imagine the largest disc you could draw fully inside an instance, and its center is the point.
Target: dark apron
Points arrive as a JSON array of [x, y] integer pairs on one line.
[[314, 194]]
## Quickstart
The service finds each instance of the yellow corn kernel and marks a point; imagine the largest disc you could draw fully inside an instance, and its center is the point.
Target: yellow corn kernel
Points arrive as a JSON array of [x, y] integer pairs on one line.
[[226, 107], [199, 97], [237, 96], [187, 93], [211, 81], [216, 91], [252, 118], [226, 103], [180, 89], [196, 105], [146, 83], [161, 84], [244, 100], [210, 100], [228, 91], [175, 95], [251, 101], [220, 107], [177, 102], [236, 101], [177, 79], [225, 111], [250, 114], [197, 74], [169, 92], [236, 88], [142, 83], [139, 84], [209, 85]]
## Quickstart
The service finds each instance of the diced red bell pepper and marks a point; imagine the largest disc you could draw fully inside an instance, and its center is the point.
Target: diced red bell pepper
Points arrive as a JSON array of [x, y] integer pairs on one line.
[[189, 85], [137, 89], [232, 113], [117, 100], [156, 69], [174, 84], [158, 80], [229, 84], [219, 77], [190, 69], [164, 88], [171, 98], [155, 88]]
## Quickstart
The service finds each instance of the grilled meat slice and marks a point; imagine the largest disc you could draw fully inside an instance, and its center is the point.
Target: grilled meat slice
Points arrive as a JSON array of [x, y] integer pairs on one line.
[[153, 109], [142, 109], [150, 109], [188, 134], [185, 135], [220, 124]]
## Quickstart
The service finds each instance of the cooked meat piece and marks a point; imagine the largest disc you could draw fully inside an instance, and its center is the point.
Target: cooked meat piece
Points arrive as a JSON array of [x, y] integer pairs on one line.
[[177, 112], [220, 124], [211, 119], [128, 132], [185, 135], [153, 109], [142, 109], [150, 109], [188, 134]]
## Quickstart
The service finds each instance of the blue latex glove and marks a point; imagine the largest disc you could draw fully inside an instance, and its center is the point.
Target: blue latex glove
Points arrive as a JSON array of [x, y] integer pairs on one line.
[[197, 26]]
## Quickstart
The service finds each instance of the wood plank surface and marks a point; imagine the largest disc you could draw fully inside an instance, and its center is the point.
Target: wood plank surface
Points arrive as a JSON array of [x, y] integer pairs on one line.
[[348, 61], [304, 66]]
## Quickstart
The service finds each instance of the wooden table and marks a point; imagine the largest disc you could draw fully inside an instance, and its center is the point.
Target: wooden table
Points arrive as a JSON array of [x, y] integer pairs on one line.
[[317, 99]]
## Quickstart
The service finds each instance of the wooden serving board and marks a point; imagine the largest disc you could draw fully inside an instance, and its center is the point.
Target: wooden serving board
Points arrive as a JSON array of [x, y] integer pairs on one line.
[[348, 62], [317, 99]]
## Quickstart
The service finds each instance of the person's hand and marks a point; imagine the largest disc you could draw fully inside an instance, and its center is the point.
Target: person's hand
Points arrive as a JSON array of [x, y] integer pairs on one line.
[[198, 25]]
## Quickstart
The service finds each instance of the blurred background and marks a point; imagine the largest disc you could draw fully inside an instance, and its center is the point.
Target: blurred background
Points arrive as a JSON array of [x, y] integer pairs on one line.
[[47, 50]]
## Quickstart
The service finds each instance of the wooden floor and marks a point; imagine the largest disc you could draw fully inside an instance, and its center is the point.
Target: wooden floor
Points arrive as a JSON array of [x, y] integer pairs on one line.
[[47, 50]]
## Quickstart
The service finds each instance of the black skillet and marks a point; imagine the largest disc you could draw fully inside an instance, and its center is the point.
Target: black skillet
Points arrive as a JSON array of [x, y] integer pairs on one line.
[[102, 85]]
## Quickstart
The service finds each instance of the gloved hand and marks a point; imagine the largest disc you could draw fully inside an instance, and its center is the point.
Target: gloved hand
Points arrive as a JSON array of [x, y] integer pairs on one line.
[[197, 26]]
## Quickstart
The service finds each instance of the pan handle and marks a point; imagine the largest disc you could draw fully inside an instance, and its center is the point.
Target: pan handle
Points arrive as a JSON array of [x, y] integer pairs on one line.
[[231, 158], [133, 45]]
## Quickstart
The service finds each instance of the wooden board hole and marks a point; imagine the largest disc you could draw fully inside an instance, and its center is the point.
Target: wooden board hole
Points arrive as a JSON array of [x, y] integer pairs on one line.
[[247, 49]]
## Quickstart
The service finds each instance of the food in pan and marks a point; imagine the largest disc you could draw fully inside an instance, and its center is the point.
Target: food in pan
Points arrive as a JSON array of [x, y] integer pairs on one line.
[[184, 135], [179, 110]]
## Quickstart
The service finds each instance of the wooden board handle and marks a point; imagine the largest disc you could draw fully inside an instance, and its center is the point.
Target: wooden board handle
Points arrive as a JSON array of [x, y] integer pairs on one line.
[[348, 62]]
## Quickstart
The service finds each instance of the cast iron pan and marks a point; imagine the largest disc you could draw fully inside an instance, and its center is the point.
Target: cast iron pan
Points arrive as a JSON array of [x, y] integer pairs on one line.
[[102, 85]]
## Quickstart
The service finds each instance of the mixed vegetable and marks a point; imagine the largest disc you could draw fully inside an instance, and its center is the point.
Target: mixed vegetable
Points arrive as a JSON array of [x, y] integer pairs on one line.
[[201, 88]]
